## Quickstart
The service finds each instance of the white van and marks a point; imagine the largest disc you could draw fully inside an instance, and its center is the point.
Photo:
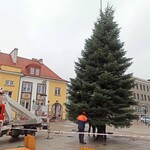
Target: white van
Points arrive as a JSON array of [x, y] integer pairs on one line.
[[145, 119]]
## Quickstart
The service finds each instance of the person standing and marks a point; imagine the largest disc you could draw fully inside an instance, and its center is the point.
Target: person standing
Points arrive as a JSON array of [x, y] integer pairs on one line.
[[82, 119]]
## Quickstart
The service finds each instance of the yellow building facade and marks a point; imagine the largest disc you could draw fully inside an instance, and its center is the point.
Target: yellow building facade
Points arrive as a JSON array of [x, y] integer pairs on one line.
[[57, 98], [10, 80]]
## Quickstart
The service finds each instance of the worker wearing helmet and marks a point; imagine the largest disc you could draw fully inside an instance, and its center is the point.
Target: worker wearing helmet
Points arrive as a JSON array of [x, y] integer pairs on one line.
[[1, 91], [82, 119]]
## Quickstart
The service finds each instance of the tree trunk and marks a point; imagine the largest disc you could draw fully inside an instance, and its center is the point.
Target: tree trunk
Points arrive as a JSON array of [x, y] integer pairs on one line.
[[93, 130], [101, 130]]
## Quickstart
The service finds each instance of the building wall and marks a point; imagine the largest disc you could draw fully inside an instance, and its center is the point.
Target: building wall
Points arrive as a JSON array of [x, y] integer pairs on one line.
[[50, 92], [22, 95], [10, 69], [53, 98], [141, 94], [12, 75], [34, 82]]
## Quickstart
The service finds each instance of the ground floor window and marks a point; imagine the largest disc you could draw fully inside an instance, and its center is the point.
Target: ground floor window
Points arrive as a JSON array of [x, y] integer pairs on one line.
[[25, 103], [9, 93]]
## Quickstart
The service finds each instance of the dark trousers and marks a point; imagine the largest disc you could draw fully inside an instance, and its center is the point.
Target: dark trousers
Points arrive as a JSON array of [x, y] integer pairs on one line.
[[81, 136]]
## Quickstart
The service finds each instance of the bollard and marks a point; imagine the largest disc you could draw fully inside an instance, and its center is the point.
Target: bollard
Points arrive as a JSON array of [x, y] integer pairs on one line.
[[29, 142]]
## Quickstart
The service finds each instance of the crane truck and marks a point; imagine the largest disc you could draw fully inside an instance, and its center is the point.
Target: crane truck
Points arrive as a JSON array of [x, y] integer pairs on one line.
[[16, 120]]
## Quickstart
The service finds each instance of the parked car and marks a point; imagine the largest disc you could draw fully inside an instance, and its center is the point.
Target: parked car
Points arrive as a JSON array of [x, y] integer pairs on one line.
[[145, 119]]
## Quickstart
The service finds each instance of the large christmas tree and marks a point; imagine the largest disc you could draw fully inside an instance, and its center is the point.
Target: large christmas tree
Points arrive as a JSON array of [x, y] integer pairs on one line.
[[102, 87]]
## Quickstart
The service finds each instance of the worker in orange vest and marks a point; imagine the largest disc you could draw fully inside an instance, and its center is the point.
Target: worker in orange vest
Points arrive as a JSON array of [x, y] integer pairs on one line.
[[82, 119]]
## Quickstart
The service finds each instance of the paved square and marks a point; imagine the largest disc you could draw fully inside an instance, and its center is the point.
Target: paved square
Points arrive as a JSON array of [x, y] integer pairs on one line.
[[135, 138]]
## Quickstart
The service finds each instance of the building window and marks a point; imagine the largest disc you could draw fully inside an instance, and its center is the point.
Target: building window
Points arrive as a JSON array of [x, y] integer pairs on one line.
[[26, 86], [32, 71], [148, 97], [9, 83], [144, 87], [136, 85], [140, 87], [35, 71], [138, 97], [147, 89], [25, 103], [141, 96], [9, 93], [145, 97], [41, 88], [134, 95], [57, 91]]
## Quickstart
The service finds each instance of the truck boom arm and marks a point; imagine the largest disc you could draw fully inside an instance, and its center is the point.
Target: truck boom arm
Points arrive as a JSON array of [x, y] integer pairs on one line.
[[13, 105]]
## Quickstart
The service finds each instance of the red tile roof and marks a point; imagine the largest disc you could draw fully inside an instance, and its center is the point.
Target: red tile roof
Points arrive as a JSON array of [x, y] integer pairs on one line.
[[5, 59]]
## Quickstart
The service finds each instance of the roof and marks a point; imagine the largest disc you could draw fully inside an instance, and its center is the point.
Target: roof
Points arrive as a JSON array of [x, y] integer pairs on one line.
[[22, 63]]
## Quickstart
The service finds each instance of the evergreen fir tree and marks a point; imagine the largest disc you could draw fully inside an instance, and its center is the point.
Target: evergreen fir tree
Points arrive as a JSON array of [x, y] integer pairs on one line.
[[102, 87]]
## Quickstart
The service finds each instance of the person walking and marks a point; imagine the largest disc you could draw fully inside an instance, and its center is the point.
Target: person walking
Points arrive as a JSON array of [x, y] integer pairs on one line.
[[82, 119]]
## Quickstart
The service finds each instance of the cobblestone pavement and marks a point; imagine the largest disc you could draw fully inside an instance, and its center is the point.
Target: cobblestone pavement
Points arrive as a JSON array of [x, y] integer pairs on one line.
[[135, 138]]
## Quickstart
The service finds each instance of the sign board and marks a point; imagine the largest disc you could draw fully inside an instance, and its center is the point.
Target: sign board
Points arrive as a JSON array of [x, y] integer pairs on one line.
[[43, 108]]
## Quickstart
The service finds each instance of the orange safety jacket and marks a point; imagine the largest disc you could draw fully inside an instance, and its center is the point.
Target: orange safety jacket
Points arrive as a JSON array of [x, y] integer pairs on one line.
[[82, 118], [81, 121]]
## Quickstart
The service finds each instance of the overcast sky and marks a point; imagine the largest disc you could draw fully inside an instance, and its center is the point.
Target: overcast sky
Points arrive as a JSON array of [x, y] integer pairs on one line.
[[55, 30]]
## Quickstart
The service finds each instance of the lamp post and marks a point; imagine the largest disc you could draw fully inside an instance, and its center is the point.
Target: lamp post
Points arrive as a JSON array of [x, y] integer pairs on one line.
[[48, 124], [145, 115], [33, 107], [144, 110], [48, 121]]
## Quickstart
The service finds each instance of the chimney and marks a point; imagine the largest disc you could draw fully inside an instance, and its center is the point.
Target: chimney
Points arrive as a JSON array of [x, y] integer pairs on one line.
[[41, 61], [14, 54]]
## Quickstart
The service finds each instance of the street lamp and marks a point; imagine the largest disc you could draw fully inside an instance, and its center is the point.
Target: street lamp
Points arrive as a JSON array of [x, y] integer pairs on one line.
[[145, 115], [144, 111], [48, 121]]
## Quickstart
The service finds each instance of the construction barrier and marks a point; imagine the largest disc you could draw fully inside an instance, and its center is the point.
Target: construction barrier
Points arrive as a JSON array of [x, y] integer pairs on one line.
[[86, 133], [85, 148], [23, 148]]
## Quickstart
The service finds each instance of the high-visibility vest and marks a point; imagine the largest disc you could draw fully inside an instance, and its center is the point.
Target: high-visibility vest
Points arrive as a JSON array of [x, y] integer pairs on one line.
[[82, 118]]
